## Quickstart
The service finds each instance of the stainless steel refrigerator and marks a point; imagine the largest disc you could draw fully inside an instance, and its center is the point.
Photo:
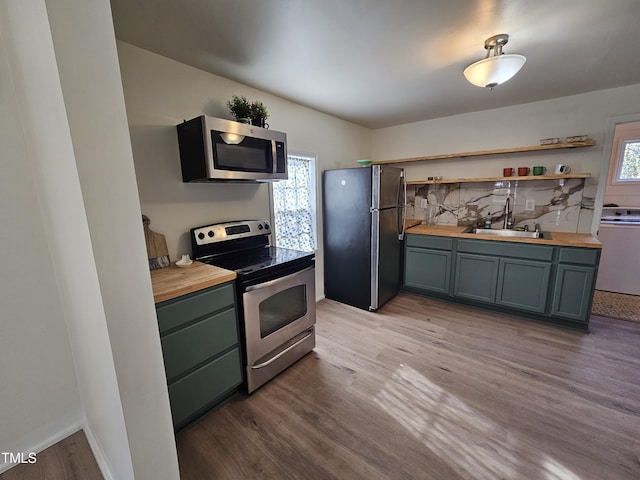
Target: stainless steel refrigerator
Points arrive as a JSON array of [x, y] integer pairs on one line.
[[363, 226]]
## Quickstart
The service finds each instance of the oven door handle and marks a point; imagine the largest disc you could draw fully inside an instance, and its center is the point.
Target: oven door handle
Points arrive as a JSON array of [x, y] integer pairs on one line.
[[274, 282], [284, 352]]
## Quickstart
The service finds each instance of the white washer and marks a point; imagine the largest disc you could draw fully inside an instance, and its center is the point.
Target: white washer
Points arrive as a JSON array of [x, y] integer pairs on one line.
[[619, 269]]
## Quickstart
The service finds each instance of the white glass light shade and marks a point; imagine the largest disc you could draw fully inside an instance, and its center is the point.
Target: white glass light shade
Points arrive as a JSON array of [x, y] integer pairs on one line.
[[493, 71], [232, 138]]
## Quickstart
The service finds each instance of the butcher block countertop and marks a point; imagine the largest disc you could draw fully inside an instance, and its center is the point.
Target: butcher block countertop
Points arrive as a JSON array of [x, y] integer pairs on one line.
[[171, 282], [557, 238]]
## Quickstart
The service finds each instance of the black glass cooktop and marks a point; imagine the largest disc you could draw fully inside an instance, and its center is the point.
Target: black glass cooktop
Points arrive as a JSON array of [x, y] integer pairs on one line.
[[257, 260]]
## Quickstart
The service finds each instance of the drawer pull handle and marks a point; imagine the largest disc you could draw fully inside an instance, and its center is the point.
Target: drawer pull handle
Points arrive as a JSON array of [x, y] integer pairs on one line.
[[286, 350]]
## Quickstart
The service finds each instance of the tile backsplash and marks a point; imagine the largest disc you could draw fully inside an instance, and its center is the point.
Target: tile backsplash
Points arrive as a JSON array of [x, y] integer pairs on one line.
[[557, 205]]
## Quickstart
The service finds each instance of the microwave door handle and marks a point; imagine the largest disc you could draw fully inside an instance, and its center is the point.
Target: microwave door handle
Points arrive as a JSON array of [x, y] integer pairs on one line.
[[274, 157]]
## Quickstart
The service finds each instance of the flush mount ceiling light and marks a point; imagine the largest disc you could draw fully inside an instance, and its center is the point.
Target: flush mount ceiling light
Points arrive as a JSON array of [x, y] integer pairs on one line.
[[497, 69]]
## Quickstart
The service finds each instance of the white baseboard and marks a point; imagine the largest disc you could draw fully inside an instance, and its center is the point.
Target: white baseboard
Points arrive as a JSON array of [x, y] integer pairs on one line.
[[98, 453], [54, 433], [44, 437]]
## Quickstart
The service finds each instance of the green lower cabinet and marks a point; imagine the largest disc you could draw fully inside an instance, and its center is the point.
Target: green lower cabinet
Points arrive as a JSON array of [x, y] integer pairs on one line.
[[195, 344], [200, 390], [200, 346], [476, 277], [428, 269], [543, 282], [523, 284], [573, 293]]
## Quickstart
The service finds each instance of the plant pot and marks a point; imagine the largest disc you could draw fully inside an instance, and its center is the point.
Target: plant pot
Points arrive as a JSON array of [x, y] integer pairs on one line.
[[259, 122], [244, 120]]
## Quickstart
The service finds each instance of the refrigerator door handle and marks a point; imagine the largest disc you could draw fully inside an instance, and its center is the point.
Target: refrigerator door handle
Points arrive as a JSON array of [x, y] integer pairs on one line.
[[402, 189], [375, 258]]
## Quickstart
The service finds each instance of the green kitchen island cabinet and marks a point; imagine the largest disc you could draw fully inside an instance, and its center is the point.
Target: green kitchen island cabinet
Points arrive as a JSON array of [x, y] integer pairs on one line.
[[540, 281], [200, 345]]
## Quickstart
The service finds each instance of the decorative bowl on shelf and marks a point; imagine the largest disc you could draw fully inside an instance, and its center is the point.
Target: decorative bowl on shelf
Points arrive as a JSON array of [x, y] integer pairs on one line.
[[364, 163]]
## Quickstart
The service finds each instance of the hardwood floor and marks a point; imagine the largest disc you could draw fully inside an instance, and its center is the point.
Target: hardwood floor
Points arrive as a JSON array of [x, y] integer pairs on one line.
[[421, 389], [424, 389], [69, 459]]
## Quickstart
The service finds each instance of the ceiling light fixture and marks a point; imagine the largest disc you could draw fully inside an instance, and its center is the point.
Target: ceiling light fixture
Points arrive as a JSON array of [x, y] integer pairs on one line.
[[497, 69]]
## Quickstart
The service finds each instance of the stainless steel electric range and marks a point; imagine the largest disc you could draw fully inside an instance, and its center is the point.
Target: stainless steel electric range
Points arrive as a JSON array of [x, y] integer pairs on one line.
[[275, 290]]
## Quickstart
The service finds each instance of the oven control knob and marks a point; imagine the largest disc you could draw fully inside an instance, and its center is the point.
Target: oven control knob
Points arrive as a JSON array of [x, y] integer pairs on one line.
[[211, 234], [260, 227], [201, 235], [266, 226]]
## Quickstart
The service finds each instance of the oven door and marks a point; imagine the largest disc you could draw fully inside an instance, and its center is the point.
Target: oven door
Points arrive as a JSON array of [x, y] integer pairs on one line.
[[278, 319]]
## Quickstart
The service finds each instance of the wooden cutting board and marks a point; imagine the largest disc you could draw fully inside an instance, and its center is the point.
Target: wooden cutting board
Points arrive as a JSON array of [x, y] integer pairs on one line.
[[157, 251]]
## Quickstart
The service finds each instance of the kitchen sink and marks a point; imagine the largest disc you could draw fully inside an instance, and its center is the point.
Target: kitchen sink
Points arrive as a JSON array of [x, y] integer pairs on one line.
[[507, 233]]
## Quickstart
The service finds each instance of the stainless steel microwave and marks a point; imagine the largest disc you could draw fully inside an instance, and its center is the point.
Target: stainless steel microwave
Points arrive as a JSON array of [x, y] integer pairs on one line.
[[213, 149]]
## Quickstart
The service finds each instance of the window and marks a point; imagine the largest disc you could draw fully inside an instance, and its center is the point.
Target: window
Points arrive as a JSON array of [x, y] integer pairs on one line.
[[624, 167], [629, 162], [294, 205]]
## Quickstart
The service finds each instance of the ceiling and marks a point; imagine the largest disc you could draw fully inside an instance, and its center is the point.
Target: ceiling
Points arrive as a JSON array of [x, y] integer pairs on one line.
[[379, 63]]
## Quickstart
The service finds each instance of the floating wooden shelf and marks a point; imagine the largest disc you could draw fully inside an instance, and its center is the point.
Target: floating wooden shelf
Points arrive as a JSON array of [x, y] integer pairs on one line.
[[499, 151], [500, 179]]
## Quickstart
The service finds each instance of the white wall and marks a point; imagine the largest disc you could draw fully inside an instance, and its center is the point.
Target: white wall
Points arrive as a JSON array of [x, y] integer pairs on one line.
[[521, 125], [39, 401], [73, 248], [90, 77], [161, 93]]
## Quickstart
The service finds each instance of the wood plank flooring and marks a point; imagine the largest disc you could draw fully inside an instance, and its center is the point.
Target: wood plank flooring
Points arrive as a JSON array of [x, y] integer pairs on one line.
[[421, 389], [424, 389], [69, 459]]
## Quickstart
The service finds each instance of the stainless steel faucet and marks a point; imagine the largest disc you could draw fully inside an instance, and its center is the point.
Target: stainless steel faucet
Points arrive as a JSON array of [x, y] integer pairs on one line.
[[508, 219]]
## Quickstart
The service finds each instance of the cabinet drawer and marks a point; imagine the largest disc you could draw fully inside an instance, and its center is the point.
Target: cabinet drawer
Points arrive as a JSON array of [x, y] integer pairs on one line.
[[583, 256], [192, 395], [426, 241], [173, 313], [506, 249], [187, 347]]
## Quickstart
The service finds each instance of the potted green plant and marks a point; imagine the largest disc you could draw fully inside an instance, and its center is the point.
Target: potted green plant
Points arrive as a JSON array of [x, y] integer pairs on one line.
[[240, 108], [259, 114]]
